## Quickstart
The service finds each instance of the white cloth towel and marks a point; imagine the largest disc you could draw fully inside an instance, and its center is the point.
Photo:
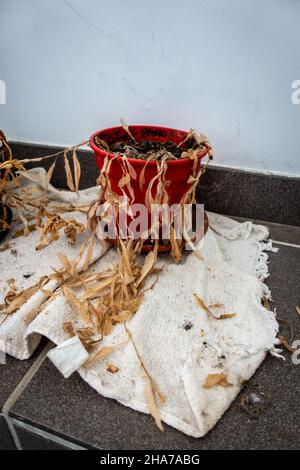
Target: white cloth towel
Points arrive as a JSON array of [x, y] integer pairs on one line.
[[180, 344]]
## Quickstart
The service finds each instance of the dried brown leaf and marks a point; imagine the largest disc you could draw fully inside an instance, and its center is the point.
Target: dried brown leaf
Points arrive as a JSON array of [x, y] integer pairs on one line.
[[77, 170], [49, 176], [101, 143], [65, 262], [25, 223], [147, 267], [82, 307], [125, 253], [96, 290], [202, 305], [48, 293], [122, 317], [68, 172], [153, 409], [89, 253], [72, 229], [16, 299], [124, 181], [286, 344], [176, 252]]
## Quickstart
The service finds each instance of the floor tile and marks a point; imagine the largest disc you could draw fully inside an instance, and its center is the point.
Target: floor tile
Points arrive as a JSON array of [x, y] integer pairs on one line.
[[13, 370]]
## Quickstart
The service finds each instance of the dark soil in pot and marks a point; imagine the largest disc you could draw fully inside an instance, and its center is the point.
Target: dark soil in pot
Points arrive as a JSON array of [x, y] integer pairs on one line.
[[143, 150]]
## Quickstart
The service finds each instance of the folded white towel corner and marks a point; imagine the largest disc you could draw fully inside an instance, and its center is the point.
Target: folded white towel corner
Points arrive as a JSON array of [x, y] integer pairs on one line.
[[68, 356]]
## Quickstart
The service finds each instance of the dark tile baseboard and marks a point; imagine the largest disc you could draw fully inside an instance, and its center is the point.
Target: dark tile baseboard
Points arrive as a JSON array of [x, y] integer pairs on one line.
[[251, 195], [224, 190]]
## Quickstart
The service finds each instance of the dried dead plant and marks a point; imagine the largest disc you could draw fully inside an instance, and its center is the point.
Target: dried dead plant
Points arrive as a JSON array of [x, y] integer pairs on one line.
[[113, 296], [27, 202], [156, 192]]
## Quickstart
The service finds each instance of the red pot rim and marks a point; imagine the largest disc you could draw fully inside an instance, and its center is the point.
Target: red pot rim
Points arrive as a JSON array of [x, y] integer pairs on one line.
[[135, 161]]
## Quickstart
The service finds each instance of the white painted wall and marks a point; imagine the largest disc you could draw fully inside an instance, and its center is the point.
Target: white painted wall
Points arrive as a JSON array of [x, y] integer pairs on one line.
[[225, 67]]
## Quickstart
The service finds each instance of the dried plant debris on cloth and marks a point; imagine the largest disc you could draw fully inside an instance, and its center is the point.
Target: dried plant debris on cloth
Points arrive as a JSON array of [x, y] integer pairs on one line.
[[186, 377]]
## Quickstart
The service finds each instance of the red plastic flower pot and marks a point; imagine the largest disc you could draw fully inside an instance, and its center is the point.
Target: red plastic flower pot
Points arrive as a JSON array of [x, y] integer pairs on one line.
[[178, 171]]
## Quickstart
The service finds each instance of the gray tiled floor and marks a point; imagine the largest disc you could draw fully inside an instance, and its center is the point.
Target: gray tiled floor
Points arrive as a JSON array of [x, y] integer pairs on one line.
[[13, 371], [286, 233], [73, 410]]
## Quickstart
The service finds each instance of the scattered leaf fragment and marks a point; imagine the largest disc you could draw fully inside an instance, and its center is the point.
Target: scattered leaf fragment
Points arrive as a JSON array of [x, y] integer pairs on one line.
[[286, 344], [226, 315], [202, 305], [14, 299], [266, 303], [209, 312], [100, 354], [216, 379], [112, 369], [68, 328]]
